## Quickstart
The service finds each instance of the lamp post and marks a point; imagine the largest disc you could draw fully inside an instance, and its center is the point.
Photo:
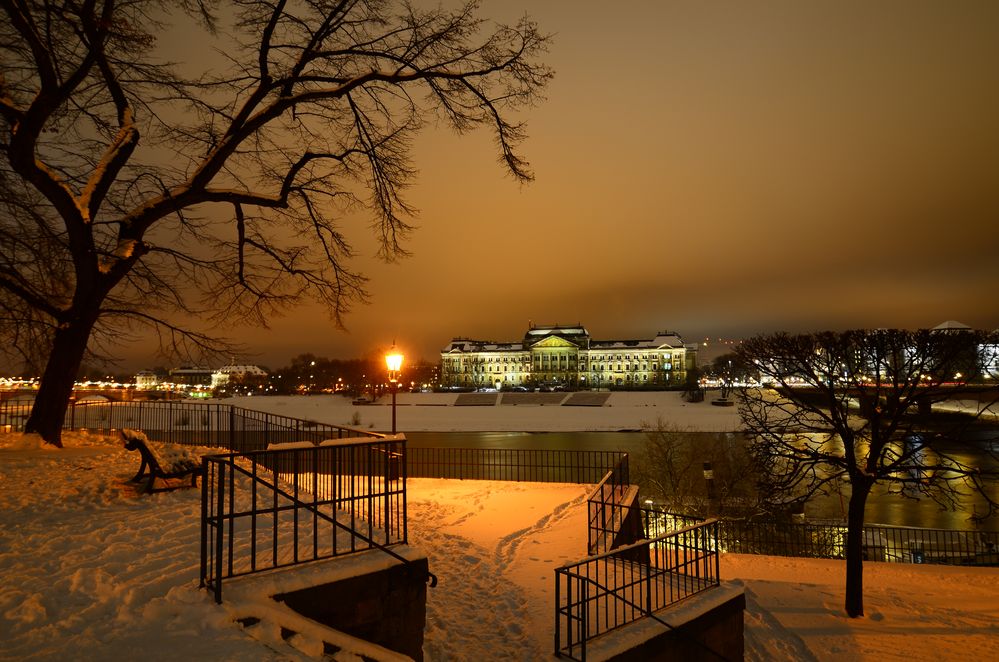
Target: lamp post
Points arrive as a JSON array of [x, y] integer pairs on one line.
[[393, 360]]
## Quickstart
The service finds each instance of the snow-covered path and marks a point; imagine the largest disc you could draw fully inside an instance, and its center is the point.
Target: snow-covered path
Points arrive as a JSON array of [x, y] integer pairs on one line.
[[495, 560]]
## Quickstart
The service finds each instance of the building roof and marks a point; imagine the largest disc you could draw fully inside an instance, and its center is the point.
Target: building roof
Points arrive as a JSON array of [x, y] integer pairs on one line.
[[577, 335], [189, 370], [242, 369], [951, 325], [556, 330]]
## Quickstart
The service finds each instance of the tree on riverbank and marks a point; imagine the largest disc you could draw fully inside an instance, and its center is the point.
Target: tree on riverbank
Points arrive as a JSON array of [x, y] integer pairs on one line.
[[136, 193], [673, 470], [856, 408]]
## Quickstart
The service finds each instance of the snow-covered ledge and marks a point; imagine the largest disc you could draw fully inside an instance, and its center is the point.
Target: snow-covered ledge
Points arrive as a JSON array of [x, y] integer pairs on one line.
[[709, 620], [341, 604]]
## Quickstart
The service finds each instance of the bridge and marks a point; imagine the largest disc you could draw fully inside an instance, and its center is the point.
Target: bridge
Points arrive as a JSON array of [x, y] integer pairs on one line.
[[84, 394]]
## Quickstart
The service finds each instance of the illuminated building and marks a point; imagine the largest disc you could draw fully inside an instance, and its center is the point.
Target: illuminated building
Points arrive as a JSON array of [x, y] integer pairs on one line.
[[146, 380], [229, 373], [567, 356]]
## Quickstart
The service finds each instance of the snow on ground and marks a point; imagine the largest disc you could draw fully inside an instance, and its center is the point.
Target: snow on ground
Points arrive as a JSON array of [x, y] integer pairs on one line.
[[913, 612], [495, 547], [435, 412], [93, 570]]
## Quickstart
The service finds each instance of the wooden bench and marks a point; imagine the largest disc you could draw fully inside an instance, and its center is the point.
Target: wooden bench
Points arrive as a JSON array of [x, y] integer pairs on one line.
[[164, 461]]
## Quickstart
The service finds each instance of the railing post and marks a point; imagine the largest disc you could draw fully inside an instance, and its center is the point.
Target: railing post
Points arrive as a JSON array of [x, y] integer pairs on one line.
[[204, 520], [558, 619], [717, 553], [220, 531], [404, 475], [648, 582], [568, 610], [386, 516], [585, 626], [232, 428]]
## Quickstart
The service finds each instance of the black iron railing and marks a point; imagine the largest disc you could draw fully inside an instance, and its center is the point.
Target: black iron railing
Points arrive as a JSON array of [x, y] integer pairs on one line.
[[610, 509], [270, 509], [610, 590], [534, 465], [827, 540], [657, 522], [215, 425], [13, 416]]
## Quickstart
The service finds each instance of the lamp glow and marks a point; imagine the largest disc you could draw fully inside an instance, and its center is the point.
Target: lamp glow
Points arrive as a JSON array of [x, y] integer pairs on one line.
[[394, 363]]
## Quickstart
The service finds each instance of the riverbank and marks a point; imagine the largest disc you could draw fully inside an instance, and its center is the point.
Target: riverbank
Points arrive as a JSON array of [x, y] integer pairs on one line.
[[438, 412]]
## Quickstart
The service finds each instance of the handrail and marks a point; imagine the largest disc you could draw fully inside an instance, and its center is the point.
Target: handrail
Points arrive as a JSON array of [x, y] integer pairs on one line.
[[357, 479], [194, 423], [516, 464], [431, 577], [617, 551], [685, 554], [825, 539], [607, 510], [649, 614]]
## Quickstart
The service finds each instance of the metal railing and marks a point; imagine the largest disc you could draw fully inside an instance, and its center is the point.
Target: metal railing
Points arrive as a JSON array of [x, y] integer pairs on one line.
[[827, 540], [13, 415], [215, 425], [262, 510], [532, 464], [610, 590], [610, 511]]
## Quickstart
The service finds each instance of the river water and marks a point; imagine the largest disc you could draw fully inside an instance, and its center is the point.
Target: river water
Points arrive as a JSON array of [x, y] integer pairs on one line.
[[881, 508]]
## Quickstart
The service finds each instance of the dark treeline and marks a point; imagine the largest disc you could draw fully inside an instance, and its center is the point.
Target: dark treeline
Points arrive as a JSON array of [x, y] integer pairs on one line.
[[309, 373]]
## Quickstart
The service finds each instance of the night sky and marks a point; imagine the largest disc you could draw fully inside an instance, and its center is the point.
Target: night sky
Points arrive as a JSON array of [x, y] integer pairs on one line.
[[718, 169]]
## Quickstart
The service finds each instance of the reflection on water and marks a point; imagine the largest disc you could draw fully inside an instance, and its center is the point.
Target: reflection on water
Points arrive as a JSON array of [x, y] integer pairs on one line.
[[881, 507]]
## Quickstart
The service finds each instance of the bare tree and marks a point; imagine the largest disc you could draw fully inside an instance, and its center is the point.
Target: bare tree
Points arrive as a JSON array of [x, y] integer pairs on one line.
[[856, 408], [137, 194], [672, 468]]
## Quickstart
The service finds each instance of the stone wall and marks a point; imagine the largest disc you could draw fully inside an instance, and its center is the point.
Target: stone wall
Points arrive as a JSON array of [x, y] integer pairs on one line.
[[387, 607]]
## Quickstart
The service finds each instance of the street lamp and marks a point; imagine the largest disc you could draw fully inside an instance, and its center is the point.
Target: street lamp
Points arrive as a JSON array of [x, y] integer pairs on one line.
[[393, 360]]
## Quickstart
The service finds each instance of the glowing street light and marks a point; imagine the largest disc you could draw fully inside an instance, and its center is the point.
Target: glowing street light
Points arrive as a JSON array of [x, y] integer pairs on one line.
[[393, 360]]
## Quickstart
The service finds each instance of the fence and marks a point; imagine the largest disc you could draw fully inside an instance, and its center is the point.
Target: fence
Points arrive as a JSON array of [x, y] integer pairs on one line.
[[609, 590], [881, 542], [534, 465], [236, 429], [262, 510], [13, 415], [609, 510], [191, 423]]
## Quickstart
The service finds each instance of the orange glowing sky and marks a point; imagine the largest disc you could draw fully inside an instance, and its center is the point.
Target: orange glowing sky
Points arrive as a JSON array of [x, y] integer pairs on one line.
[[719, 169]]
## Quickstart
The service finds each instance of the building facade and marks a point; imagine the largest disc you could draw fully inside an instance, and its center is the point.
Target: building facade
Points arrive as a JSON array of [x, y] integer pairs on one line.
[[147, 380], [229, 373], [566, 356]]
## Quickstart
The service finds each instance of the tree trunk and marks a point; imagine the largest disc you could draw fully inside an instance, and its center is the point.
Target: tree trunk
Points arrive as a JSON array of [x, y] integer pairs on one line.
[[56, 387], [860, 488]]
